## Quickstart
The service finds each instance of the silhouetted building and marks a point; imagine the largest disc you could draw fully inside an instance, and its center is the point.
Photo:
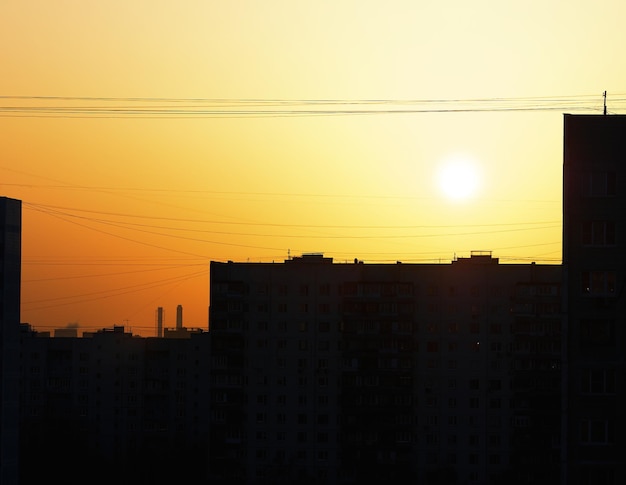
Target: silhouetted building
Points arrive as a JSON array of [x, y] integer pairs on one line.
[[10, 271], [594, 264], [364, 373], [112, 407]]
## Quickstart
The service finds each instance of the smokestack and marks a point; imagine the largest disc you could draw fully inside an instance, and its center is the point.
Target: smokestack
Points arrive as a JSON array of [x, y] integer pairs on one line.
[[179, 317], [160, 322]]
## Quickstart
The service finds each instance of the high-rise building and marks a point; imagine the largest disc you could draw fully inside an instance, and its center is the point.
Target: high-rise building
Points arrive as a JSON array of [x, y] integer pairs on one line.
[[10, 270], [594, 266], [362, 373]]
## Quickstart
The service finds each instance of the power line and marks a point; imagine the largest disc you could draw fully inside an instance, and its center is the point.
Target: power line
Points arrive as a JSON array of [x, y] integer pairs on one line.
[[102, 107], [64, 210]]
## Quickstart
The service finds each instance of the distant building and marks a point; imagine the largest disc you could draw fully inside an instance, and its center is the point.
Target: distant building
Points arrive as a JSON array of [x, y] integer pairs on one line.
[[112, 407], [68, 332], [367, 373], [10, 271], [594, 265]]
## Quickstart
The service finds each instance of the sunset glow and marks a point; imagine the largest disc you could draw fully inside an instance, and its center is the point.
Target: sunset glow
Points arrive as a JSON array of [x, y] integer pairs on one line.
[[147, 138]]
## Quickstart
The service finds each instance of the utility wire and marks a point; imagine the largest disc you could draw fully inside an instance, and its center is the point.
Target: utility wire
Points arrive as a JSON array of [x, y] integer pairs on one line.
[[102, 107]]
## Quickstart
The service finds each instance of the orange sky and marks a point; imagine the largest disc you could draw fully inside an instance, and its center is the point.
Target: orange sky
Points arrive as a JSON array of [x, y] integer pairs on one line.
[[123, 211]]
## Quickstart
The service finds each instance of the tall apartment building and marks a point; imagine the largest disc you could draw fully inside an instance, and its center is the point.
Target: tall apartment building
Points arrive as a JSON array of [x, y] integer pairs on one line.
[[594, 262], [10, 271], [359, 373]]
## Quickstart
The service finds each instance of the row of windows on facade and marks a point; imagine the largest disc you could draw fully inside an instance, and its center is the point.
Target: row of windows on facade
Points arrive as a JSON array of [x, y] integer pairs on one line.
[[65, 359], [359, 438], [400, 327], [392, 290], [390, 308], [322, 475], [378, 400]]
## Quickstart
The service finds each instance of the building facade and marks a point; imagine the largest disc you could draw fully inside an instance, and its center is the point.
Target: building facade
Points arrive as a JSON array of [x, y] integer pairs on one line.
[[594, 263], [359, 373], [10, 271], [114, 407]]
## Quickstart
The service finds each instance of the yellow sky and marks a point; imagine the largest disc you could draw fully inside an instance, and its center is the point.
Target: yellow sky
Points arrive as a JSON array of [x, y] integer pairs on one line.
[[123, 213]]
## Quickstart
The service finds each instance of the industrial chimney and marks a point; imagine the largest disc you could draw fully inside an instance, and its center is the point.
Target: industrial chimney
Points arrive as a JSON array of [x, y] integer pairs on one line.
[[160, 322], [179, 317]]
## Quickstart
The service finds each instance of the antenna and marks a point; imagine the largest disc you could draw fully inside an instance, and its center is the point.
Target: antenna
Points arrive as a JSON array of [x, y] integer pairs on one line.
[[604, 96]]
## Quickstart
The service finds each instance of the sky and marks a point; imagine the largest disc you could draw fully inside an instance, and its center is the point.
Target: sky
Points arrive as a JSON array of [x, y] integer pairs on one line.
[[147, 138]]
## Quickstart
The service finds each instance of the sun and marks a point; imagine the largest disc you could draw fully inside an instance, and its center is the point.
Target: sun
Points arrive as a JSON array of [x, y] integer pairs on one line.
[[459, 178]]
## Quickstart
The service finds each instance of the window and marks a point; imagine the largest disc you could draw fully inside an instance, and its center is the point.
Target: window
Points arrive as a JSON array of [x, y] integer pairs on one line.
[[597, 332], [403, 436], [432, 347], [323, 327], [598, 233], [602, 474], [598, 283], [495, 385], [598, 381], [600, 184], [596, 432], [322, 437], [322, 419]]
